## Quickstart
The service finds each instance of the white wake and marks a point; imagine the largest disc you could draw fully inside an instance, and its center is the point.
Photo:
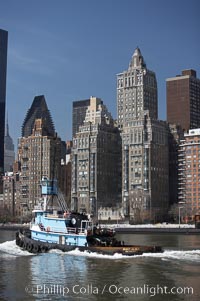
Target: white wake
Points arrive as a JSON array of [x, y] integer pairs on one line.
[[192, 255], [10, 248]]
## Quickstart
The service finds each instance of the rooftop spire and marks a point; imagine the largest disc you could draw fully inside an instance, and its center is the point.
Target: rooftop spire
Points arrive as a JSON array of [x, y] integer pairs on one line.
[[137, 60], [38, 110]]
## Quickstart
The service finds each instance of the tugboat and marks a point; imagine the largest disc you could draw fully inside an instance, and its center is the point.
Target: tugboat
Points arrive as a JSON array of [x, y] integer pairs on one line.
[[67, 231]]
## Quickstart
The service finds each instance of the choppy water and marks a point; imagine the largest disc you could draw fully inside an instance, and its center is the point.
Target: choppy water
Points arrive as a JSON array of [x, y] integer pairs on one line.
[[172, 275]]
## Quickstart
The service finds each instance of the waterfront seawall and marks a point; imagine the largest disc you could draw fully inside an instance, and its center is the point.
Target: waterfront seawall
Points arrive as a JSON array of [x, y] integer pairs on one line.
[[14, 226], [127, 230], [120, 229]]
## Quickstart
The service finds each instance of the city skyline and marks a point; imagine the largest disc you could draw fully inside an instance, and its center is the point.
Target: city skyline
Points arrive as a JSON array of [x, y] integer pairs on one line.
[[87, 44]]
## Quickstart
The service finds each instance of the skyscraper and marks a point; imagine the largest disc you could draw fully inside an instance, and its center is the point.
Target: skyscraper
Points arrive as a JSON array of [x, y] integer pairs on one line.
[[96, 161], [40, 155], [3, 69], [136, 91], [183, 100], [40, 151], [144, 143]]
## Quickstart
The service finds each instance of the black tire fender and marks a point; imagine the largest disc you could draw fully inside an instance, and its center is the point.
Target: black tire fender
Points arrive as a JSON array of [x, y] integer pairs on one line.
[[21, 243], [24, 245], [29, 247], [43, 249], [17, 241], [36, 249]]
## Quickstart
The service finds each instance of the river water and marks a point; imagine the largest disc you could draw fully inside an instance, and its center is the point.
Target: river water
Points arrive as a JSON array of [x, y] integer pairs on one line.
[[169, 276]]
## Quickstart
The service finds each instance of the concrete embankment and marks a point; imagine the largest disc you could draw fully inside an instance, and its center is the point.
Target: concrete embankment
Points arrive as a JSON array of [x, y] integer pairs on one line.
[[127, 230], [13, 226], [123, 230]]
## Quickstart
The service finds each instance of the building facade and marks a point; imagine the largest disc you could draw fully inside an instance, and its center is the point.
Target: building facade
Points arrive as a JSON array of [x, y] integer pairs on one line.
[[9, 153], [183, 91], [11, 196], [39, 155], [96, 161], [40, 151], [145, 190], [145, 187], [3, 71], [189, 174], [176, 134]]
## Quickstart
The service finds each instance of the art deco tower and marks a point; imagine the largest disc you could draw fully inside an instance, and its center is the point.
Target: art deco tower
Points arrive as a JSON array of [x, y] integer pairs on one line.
[[3, 68], [144, 143], [136, 91]]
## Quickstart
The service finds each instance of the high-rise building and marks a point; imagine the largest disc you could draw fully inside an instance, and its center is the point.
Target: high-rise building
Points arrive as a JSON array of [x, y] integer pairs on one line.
[[189, 174], [9, 154], [40, 155], [39, 152], [78, 114], [183, 100], [3, 70], [136, 91], [145, 189], [96, 161]]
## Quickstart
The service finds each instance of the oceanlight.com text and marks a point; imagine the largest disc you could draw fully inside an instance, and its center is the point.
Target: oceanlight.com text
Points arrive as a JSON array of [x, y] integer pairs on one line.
[[109, 289]]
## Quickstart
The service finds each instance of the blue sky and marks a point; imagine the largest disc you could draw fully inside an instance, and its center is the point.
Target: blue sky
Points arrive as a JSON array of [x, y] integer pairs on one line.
[[71, 49]]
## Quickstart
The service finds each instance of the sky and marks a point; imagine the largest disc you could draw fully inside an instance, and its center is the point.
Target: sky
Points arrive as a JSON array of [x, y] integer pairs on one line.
[[70, 50]]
